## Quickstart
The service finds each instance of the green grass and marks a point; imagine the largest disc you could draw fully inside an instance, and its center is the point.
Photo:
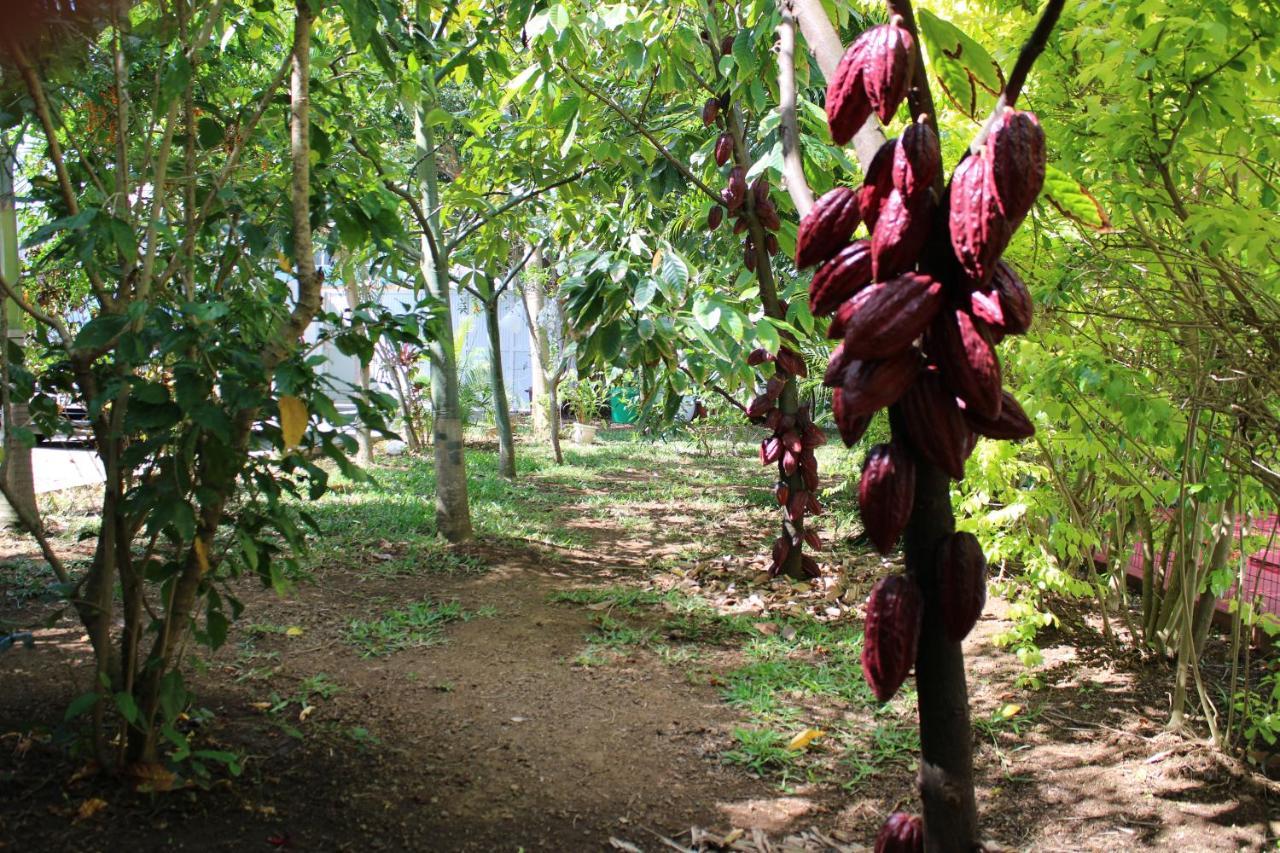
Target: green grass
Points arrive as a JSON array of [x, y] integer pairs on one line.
[[420, 624]]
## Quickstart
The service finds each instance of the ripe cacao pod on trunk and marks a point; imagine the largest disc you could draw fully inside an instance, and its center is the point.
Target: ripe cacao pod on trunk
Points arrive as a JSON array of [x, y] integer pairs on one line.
[[917, 159], [770, 450], [724, 149], [847, 105], [935, 424], [836, 363], [871, 385], [979, 231], [888, 59], [759, 355], [735, 191], [796, 506], [789, 361], [876, 185], [827, 227], [901, 833], [812, 539], [900, 234], [967, 360], [1015, 300], [962, 584], [885, 319], [1016, 146], [885, 493], [851, 426], [771, 244], [840, 277], [891, 633], [767, 213], [1012, 424], [714, 217], [710, 112]]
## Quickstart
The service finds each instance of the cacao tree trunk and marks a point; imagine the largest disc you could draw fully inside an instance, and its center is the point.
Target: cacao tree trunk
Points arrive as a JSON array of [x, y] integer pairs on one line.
[[501, 410], [539, 350], [364, 435], [453, 511]]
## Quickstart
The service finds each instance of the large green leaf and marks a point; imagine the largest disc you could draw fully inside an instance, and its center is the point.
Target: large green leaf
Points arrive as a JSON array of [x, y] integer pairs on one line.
[[966, 72], [1073, 201]]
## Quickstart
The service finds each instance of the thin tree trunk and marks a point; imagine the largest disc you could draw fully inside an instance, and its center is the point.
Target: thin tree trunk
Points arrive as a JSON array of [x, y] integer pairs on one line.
[[16, 468], [553, 416], [501, 409], [539, 350], [453, 511], [364, 435]]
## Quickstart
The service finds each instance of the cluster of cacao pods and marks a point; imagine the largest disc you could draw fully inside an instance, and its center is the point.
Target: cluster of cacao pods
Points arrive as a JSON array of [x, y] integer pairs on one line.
[[790, 446], [734, 197]]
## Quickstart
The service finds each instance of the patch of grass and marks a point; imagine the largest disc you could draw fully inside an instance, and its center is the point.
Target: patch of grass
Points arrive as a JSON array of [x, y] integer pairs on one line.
[[420, 624], [893, 742], [623, 598], [761, 750]]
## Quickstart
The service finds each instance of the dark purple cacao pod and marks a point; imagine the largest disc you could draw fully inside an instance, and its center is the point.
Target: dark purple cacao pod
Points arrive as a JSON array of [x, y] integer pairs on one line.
[[900, 234], [771, 244], [871, 385], [724, 149], [810, 475], [788, 360], [770, 450], [917, 159], [1012, 424], [735, 191], [790, 462], [851, 426], [901, 833], [812, 435], [876, 185], [935, 424], [781, 549], [962, 584], [826, 227], [714, 217], [812, 539], [885, 319], [710, 112], [810, 566], [847, 105], [885, 492], [1016, 146], [891, 634], [966, 358], [767, 213], [888, 59], [979, 231], [760, 190], [796, 506], [1015, 300], [782, 492], [840, 277], [726, 45], [759, 355], [836, 364]]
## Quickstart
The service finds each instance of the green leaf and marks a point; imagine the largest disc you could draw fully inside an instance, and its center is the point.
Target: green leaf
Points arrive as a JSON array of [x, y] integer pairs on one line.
[[1073, 201], [706, 312], [970, 77], [80, 705], [128, 707], [99, 331]]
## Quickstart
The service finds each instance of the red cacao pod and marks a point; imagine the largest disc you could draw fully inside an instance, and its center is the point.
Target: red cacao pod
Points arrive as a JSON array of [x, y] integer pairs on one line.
[[749, 255], [810, 474], [891, 633], [740, 224], [962, 584], [885, 319], [771, 244], [782, 492], [917, 159], [767, 213], [1011, 424], [735, 191], [759, 355], [710, 112], [900, 234], [979, 231], [885, 492], [851, 426], [760, 406], [724, 149], [1015, 300], [791, 441], [770, 450], [871, 385], [796, 506], [810, 566], [773, 388], [789, 361], [935, 424], [836, 364], [888, 59], [773, 420], [901, 833], [812, 435], [812, 539], [841, 276], [812, 505], [847, 105], [876, 185], [826, 227], [966, 358], [781, 549], [760, 190], [1016, 146], [714, 217], [790, 462]]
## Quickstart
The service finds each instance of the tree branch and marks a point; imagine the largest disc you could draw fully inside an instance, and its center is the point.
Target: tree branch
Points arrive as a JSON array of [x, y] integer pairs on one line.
[[788, 128], [1027, 56], [517, 200]]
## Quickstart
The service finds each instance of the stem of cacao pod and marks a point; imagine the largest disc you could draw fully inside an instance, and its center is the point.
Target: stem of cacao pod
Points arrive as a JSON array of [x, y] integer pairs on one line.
[[789, 402]]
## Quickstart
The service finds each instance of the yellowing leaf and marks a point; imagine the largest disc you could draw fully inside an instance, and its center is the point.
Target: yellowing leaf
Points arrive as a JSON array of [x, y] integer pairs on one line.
[[293, 631], [283, 260], [804, 738], [90, 807], [1009, 710], [293, 420]]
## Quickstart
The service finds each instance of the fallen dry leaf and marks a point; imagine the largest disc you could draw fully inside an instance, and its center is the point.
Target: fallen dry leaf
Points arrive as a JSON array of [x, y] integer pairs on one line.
[[804, 738], [90, 807]]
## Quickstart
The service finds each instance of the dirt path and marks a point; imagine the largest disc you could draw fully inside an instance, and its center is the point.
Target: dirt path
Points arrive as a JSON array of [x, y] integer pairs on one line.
[[538, 724]]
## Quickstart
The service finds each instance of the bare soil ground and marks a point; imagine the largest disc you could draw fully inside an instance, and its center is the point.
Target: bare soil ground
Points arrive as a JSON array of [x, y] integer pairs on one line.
[[547, 724]]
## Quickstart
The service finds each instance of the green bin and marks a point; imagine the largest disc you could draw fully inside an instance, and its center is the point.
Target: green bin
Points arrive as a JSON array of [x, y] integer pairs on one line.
[[622, 405]]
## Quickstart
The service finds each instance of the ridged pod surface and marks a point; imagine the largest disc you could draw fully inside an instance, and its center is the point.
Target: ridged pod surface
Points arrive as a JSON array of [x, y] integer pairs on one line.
[[714, 217], [917, 159], [935, 425], [979, 231], [900, 233], [888, 60], [840, 277], [962, 584], [1016, 146], [967, 359], [890, 635], [735, 191], [724, 149], [851, 426], [710, 111], [901, 833], [827, 226], [847, 105], [876, 185], [884, 319], [885, 493], [871, 385]]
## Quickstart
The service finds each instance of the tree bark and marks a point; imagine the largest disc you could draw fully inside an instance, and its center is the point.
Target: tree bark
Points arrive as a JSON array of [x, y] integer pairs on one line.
[[364, 435], [539, 350], [16, 468], [501, 409], [453, 511]]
